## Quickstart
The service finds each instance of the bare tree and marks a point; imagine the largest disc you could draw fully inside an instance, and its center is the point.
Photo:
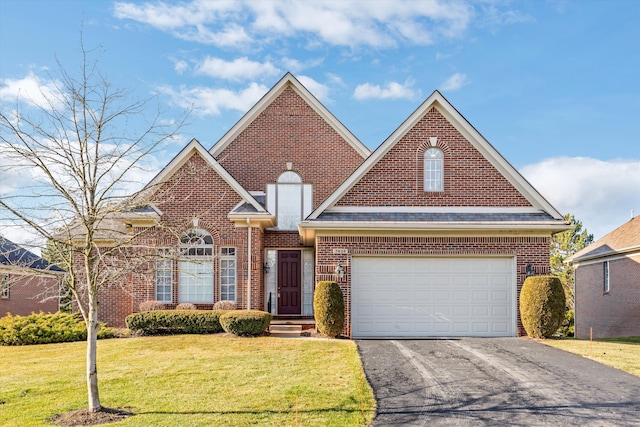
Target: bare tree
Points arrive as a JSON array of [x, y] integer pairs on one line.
[[77, 153]]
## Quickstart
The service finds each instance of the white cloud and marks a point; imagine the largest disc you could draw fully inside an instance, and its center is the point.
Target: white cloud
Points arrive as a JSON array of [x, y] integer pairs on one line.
[[236, 70], [454, 82], [380, 24], [295, 66], [211, 101], [180, 66], [599, 193], [393, 90], [318, 90], [31, 89]]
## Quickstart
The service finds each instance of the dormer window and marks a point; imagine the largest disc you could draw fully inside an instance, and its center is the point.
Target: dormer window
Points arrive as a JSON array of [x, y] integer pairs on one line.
[[290, 199], [433, 170]]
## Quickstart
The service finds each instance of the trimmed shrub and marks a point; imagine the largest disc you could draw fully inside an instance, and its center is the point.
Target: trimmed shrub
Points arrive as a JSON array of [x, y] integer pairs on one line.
[[169, 322], [46, 328], [225, 305], [328, 306], [151, 306], [245, 323], [542, 305], [186, 306]]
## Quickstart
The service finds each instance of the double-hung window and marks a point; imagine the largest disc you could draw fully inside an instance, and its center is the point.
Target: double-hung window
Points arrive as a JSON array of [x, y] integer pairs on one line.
[[164, 275], [228, 274], [4, 286]]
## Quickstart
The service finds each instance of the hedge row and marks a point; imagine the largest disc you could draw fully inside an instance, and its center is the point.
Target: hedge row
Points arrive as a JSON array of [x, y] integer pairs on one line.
[[45, 328], [168, 322]]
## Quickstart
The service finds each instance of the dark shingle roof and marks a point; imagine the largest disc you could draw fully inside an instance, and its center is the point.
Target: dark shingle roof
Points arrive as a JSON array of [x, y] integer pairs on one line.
[[623, 239], [12, 254]]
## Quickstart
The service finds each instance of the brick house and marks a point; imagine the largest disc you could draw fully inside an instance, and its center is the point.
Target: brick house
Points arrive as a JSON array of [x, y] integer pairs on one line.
[[607, 284], [28, 283], [429, 235]]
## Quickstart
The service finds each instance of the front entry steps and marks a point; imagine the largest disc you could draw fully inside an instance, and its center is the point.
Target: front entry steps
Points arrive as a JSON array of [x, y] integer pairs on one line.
[[291, 328]]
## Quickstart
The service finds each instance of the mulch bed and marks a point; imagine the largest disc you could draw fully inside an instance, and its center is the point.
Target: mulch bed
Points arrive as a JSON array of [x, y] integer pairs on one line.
[[84, 417]]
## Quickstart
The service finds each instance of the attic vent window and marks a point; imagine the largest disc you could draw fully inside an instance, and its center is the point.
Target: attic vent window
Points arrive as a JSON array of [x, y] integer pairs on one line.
[[433, 170]]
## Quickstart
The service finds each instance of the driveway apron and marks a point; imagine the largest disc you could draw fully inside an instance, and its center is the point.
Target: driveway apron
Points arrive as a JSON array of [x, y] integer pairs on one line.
[[494, 381]]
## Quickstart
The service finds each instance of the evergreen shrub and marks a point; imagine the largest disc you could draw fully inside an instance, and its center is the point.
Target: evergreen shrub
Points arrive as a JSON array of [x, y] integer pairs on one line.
[[46, 328], [542, 305], [328, 306], [245, 323], [169, 322]]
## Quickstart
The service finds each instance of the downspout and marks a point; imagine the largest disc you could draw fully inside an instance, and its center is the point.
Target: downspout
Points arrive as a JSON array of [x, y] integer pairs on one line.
[[248, 264]]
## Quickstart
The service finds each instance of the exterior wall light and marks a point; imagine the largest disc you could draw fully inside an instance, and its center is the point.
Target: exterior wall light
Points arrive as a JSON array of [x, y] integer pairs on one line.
[[339, 271], [530, 271]]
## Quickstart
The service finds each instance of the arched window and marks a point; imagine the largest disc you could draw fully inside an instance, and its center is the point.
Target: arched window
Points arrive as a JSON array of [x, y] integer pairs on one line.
[[433, 168], [196, 267], [290, 199]]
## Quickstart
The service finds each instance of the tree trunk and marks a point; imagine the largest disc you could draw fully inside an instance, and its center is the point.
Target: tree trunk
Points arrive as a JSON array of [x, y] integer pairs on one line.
[[92, 346]]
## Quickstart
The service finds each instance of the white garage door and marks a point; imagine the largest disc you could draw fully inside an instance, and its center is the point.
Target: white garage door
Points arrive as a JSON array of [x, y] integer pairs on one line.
[[433, 297]]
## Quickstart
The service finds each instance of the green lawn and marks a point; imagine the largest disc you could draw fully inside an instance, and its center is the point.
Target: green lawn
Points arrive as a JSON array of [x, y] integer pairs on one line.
[[192, 380], [620, 353]]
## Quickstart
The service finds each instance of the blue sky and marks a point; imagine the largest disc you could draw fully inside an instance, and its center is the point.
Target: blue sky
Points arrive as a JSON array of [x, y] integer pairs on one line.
[[553, 85]]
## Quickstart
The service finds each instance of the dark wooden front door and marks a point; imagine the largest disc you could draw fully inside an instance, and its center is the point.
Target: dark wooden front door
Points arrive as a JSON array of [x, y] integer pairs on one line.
[[289, 282]]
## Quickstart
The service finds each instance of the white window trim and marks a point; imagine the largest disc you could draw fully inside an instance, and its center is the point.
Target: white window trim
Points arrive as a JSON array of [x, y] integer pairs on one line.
[[194, 254], [607, 277], [233, 258], [164, 263], [433, 180], [4, 287], [290, 179]]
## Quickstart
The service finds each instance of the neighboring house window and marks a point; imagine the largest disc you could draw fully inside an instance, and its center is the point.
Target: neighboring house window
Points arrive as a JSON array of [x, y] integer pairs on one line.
[[195, 268], [606, 277], [4, 287], [164, 276], [290, 199], [228, 274], [433, 168]]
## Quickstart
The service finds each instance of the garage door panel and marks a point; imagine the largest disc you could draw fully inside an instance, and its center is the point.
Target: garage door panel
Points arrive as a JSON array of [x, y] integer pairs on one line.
[[414, 296]]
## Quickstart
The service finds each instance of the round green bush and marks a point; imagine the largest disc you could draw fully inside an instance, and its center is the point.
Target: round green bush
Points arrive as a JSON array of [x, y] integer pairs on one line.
[[328, 306], [245, 323], [542, 305]]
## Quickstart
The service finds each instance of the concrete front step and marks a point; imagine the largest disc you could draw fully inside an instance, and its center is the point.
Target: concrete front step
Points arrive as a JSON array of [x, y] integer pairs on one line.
[[285, 330]]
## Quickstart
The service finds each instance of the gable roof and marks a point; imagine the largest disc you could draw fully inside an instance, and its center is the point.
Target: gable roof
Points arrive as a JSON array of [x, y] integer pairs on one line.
[[438, 101], [623, 240], [251, 208], [288, 80], [15, 256]]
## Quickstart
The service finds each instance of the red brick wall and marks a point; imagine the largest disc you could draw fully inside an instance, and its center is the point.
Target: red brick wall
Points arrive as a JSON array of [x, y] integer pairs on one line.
[[289, 130], [28, 294], [469, 179], [281, 239], [195, 191], [534, 250], [613, 314]]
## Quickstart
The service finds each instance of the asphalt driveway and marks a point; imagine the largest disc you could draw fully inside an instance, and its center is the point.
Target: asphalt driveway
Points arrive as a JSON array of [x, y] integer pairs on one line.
[[494, 381]]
